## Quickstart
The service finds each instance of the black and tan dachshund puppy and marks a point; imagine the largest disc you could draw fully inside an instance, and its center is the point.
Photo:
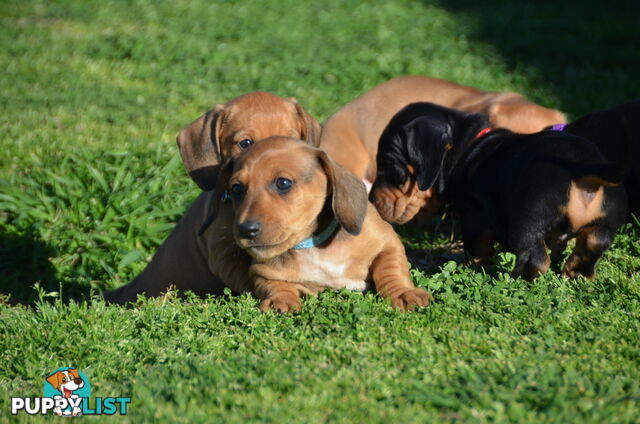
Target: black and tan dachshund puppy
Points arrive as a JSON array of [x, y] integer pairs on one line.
[[528, 192], [609, 129]]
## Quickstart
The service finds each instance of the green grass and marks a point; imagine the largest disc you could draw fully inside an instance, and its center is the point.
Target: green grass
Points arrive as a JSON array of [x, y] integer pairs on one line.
[[92, 95]]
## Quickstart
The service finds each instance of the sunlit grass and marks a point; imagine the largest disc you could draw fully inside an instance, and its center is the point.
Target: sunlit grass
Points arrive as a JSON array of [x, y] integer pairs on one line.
[[92, 96]]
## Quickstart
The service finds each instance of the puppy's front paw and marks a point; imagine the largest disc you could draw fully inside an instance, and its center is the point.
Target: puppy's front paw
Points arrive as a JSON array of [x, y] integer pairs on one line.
[[408, 300], [282, 303], [575, 273]]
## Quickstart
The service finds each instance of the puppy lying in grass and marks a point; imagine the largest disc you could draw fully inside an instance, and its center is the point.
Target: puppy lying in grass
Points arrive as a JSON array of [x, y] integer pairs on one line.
[[528, 192], [200, 255], [307, 224], [351, 135]]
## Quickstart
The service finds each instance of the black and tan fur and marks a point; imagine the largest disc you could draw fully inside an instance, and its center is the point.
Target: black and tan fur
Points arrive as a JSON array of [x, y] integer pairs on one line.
[[527, 192], [612, 130]]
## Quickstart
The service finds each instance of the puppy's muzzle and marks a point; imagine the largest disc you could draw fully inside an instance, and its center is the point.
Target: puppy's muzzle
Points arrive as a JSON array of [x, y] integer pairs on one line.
[[249, 229]]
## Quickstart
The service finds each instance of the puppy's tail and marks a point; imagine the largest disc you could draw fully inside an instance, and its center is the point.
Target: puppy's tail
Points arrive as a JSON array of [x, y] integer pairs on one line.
[[612, 174]]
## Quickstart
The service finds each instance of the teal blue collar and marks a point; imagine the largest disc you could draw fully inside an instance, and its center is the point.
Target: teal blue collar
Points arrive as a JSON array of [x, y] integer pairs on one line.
[[320, 238]]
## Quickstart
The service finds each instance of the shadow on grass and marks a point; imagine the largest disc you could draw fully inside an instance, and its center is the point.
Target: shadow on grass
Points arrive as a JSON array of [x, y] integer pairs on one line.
[[586, 52], [24, 262], [432, 243]]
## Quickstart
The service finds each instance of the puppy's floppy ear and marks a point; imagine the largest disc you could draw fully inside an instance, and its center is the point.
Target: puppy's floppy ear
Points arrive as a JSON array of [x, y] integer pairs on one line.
[[74, 372], [348, 195], [309, 127], [199, 144], [226, 169], [427, 142], [55, 379]]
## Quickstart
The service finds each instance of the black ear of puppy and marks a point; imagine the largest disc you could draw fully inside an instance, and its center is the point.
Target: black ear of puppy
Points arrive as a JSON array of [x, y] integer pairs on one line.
[[427, 141], [429, 164], [349, 195], [433, 134], [221, 184]]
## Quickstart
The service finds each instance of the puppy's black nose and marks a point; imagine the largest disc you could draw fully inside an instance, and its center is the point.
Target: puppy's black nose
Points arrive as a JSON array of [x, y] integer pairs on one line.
[[249, 229]]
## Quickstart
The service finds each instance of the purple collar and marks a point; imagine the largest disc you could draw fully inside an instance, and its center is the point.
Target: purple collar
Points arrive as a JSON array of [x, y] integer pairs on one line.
[[558, 127]]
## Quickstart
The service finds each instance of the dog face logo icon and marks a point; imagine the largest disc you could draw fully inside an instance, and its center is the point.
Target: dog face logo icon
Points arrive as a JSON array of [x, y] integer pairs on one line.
[[69, 384], [67, 381]]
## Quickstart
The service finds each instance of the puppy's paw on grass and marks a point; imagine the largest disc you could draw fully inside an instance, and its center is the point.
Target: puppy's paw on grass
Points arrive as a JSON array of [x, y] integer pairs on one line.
[[411, 299], [574, 273], [282, 303]]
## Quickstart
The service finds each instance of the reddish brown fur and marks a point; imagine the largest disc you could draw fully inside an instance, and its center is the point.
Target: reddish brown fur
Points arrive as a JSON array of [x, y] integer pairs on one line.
[[282, 275], [208, 140], [206, 262], [401, 204], [351, 134]]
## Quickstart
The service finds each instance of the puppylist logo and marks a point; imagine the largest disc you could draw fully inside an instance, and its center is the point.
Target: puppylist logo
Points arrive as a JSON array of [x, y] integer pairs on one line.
[[66, 393]]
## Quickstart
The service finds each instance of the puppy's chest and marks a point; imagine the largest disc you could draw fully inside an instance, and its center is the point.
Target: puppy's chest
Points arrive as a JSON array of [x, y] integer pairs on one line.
[[337, 271]]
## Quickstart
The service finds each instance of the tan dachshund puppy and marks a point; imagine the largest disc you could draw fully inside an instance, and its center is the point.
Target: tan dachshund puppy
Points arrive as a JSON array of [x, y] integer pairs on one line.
[[307, 224], [200, 254], [229, 128], [351, 135]]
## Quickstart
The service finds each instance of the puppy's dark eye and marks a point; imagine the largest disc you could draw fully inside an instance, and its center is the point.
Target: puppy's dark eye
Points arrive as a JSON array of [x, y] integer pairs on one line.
[[237, 190], [283, 184], [245, 143]]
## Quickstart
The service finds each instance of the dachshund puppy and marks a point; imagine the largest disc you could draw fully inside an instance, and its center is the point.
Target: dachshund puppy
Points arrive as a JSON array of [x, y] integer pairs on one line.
[[200, 254], [608, 129], [528, 192], [306, 223], [351, 135], [231, 127]]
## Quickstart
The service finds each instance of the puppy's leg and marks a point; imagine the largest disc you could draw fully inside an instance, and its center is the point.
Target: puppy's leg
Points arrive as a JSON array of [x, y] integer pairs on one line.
[[532, 259], [593, 240], [557, 243], [529, 223], [478, 239], [590, 245], [279, 295], [390, 272]]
